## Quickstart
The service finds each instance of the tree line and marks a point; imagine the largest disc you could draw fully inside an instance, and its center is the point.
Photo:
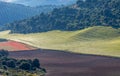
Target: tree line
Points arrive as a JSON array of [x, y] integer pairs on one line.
[[81, 15], [8, 64]]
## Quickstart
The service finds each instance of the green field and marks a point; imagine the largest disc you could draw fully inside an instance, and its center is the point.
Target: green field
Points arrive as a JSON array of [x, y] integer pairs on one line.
[[97, 40]]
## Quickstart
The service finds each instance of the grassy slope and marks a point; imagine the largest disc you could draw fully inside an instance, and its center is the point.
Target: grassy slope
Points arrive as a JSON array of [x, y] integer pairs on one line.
[[94, 40]]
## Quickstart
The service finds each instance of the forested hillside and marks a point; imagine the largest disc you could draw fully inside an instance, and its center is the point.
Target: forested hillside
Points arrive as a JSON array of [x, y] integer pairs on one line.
[[10, 12], [78, 16]]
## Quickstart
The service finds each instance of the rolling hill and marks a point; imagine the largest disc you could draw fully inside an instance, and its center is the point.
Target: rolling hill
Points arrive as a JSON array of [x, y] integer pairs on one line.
[[10, 12], [98, 40], [81, 15]]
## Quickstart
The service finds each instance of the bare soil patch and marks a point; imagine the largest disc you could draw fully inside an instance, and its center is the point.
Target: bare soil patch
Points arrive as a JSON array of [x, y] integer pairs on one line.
[[14, 46], [58, 63]]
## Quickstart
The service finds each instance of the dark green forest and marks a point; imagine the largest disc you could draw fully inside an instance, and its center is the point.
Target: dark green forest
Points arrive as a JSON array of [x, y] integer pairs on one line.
[[81, 15]]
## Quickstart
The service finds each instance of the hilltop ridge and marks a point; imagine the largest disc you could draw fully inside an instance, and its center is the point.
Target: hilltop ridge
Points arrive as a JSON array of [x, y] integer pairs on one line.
[[81, 15]]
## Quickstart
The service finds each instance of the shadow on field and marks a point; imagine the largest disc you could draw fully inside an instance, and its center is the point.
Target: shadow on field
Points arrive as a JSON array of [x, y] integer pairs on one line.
[[58, 63]]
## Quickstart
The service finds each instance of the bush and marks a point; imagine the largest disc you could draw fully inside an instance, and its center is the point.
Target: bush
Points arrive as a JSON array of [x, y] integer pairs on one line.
[[43, 69], [11, 64], [25, 66], [5, 67], [36, 63], [4, 53]]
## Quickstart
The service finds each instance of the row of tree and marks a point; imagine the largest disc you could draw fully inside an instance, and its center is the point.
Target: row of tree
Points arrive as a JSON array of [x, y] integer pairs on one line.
[[28, 65]]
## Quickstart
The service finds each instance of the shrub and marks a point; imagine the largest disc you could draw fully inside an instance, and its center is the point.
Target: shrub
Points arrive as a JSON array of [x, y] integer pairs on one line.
[[25, 66], [4, 53], [11, 64], [5, 67], [36, 63]]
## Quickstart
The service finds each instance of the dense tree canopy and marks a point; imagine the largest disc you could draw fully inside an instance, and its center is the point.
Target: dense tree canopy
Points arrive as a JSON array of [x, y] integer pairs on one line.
[[78, 16]]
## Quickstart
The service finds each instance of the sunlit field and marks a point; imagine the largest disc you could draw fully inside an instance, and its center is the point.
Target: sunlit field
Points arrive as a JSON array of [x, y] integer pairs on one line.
[[96, 40]]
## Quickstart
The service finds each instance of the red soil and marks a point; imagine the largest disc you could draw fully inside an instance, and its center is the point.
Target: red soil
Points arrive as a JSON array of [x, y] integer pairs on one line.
[[67, 64], [13, 46]]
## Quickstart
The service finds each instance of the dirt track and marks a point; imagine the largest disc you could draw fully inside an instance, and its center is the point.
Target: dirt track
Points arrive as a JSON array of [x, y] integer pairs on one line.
[[69, 64]]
